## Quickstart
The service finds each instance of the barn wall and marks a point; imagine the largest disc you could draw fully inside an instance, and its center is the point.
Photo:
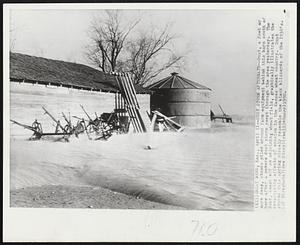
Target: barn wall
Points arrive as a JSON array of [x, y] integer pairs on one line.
[[26, 101]]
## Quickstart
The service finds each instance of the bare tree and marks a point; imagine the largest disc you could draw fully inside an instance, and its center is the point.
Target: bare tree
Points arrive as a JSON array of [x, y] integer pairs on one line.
[[108, 37], [116, 47], [152, 53]]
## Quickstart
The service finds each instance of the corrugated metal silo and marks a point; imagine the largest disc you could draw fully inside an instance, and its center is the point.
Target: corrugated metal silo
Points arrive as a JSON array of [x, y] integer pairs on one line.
[[188, 101]]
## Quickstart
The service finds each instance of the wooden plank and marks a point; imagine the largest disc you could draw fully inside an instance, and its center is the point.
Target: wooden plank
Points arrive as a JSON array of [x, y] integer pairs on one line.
[[130, 109], [129, 94], [48, 134], [167, 118], [133, 93], [124, 93], [171, 125], [132, 103], [153, 121]]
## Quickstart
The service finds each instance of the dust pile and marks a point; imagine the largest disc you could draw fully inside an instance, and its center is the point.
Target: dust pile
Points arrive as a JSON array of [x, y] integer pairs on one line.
[[197, 169]]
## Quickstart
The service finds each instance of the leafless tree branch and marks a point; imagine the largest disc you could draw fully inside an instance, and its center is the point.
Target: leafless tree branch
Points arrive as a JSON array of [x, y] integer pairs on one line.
[[145, 54]]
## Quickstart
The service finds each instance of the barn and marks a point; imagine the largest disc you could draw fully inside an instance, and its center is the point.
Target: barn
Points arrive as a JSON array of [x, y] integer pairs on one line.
[[37, 70], [187, 101], [60, 87]]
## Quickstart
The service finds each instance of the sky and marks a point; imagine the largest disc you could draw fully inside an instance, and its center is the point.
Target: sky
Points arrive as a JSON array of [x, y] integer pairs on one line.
[[220, 45]]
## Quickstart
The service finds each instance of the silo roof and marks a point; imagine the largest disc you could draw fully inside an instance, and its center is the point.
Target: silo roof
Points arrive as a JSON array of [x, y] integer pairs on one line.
[[176, 82]]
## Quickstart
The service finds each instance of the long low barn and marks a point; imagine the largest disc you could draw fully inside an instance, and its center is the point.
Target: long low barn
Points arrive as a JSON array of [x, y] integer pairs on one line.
[[60, 87], [31, 69]]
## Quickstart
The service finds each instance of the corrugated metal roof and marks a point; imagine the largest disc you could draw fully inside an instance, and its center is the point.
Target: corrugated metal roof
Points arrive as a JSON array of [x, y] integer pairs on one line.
[[41, 70], [176, 82]]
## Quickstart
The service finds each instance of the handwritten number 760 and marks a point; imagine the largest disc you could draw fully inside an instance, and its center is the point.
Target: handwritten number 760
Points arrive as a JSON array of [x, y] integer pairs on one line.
[[204, 229]]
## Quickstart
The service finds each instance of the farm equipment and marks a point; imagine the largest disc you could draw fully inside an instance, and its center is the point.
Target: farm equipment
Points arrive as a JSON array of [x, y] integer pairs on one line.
[[38, 132], [225, 118], [118, 123], [62, 133], [103, 126]]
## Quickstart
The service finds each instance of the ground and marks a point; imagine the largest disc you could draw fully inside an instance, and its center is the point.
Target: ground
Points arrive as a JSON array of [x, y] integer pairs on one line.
[[59, 196]]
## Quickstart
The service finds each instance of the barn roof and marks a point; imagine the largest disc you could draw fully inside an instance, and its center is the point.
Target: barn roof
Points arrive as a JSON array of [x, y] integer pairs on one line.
[[176, 82], [39, 70]]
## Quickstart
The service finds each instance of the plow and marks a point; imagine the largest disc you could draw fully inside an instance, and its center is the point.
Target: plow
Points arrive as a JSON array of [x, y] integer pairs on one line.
[[99, 128], [38, 133]]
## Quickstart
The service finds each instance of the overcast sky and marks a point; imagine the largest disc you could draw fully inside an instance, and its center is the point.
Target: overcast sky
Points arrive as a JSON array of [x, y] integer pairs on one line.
[[223, 45]]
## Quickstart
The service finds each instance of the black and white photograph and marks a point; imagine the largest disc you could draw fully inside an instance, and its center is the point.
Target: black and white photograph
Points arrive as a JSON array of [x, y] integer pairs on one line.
[[146, 109]]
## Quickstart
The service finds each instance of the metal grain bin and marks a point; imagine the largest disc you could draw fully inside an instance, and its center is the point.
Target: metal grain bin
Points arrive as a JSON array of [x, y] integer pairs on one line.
[[188, 101]]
